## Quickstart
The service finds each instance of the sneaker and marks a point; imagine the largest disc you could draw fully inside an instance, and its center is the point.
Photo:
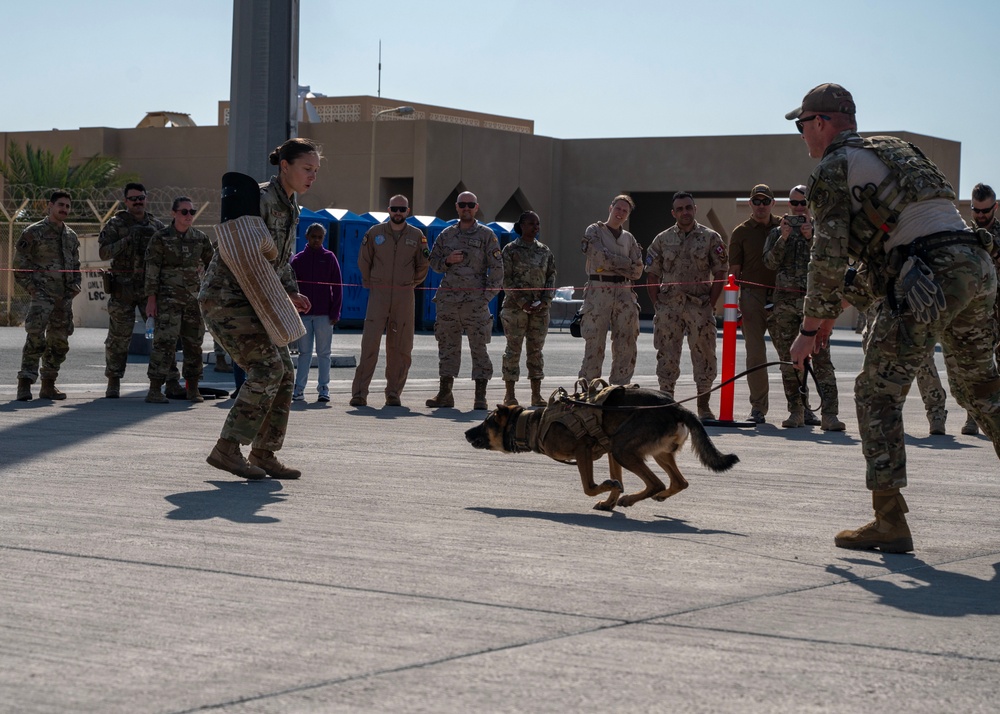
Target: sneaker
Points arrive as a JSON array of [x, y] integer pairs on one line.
[[756, 416], [323, 397], [298, 396]]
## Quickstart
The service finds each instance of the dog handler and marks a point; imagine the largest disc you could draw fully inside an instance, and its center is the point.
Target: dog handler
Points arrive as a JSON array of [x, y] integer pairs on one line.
[[260, 415]]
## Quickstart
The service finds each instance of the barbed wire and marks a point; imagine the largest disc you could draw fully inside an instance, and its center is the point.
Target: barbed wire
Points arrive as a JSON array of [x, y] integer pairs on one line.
[[27, 203]]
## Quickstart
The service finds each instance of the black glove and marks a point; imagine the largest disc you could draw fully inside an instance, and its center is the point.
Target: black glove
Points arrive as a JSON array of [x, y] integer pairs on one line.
[[921, 292]]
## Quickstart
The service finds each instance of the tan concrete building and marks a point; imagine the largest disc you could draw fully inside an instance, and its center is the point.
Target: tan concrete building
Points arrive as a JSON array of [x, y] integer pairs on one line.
[[435, 153]]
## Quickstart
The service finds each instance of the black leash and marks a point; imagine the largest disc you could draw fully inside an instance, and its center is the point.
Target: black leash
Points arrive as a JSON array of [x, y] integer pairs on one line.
[[744, 373]]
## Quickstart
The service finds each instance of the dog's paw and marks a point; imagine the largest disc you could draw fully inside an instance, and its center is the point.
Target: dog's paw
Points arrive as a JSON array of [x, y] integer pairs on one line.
[[604, 506], [613, 485], [661, 495], [625, 501]]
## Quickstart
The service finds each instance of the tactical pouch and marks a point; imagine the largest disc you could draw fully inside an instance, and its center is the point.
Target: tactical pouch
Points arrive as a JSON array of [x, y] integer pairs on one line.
[[574, 325], [921, 291], [107, 281]]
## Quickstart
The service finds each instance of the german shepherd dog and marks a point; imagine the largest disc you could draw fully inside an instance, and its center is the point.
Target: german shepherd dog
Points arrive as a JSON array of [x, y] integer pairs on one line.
[[631, 435]]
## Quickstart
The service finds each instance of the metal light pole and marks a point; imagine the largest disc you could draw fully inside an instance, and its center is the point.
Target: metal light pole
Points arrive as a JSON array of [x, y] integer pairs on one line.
[[400, 111]]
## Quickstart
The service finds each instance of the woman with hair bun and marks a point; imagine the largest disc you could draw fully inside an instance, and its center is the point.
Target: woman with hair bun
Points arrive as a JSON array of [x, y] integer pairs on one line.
[[260, 415]]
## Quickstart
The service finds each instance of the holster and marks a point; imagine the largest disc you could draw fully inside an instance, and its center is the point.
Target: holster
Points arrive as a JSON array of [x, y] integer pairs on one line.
[[107, 281]]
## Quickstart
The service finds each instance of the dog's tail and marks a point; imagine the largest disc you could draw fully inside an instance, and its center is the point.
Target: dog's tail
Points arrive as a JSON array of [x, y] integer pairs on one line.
[[702, 444]]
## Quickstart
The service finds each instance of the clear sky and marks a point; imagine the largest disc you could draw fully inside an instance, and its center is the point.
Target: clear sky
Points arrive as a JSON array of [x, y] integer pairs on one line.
[[579, 69]]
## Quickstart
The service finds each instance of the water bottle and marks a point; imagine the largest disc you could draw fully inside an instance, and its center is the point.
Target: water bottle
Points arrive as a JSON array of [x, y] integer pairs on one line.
[[149, 328]]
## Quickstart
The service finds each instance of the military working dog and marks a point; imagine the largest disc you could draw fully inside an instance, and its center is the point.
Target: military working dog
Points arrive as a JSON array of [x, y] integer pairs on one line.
[[629, 424]]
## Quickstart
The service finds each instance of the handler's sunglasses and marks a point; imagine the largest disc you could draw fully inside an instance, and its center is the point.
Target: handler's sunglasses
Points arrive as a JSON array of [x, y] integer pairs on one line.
[[137, 198], [400, 209], [467, 204], [792, 202], [984, 210], [187, 211], [800, 123], [760, 201]]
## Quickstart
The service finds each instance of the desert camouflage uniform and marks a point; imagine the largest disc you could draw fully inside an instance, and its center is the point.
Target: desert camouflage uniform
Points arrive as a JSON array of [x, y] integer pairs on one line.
[[789, 259], [897, 344], [463, 297], [685, 264], [50, 259], [609, 302], [391, 266], [124, 241], [529, 274], [260, 414], [175, 263]]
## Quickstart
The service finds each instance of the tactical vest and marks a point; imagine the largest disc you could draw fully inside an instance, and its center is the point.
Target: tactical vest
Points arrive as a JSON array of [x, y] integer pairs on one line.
[[912, 177]]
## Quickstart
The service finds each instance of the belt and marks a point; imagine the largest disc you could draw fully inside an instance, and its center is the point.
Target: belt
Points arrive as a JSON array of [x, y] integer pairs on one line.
[[610, 278], [925, 244]]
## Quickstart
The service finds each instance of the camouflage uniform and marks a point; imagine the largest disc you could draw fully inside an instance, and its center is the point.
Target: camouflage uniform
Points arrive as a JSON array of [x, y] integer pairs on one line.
[[124, 241], [391, 266], [610, 303], [529, 274], [685, 264], [789, 259], [897, 343], [463, 297], [175, 263], [50, 259], [260, 414]]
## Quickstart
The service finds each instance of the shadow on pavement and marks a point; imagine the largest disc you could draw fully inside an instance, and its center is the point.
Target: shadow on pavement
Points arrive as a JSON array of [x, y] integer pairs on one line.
[[236, 501], [615, 521], [928, 591]]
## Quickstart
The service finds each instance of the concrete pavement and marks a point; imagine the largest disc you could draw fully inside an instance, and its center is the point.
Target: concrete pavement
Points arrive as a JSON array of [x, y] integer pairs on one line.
[[408, 572]]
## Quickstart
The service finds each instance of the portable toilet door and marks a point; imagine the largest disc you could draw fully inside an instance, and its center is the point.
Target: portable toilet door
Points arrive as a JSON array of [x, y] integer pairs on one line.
[[431, 227], [505, 234], [306, 219], [351, 230]]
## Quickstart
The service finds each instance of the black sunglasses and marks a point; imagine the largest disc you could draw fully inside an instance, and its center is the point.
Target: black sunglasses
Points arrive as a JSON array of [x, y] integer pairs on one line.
[[984, 210], [792, 202], [467, 204], [399, 209], [760, 201], [800, 123], [136, 199], [187, 211]]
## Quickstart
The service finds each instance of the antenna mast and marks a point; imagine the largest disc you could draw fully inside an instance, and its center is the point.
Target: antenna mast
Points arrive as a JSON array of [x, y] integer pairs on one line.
[[380, 68]]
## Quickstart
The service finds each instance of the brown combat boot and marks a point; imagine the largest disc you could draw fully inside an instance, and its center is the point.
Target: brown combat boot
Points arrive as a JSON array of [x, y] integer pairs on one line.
[[266, 460], [479, 402], [888, 532], [23, 389], [193, 394], [537, 400], [830, 422], [796, 418], [114, 388], [227, 457], [48, 390], [175, 390], [510, 400], [704, 407], [155, 396], [810, 418], [444, 397]]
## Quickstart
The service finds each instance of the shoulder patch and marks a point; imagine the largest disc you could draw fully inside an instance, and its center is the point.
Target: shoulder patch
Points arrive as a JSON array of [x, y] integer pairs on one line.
[[427, 253], [496, 254], [649, 260], [364, 241]]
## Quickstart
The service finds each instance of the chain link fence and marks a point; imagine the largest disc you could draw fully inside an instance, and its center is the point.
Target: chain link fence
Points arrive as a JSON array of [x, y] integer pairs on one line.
[[92, 209]]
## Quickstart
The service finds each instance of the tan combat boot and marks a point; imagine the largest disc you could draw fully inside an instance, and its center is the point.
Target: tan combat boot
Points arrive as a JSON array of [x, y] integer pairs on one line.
[[971, 428], [888, 532], [175, 390], [48, 390], [23, 389], [936, 424], [227, 457], [810, 418], [114, 388], [830, 422], [537, 400], [704, 407], [266, 460], [155, 396], [444, 397], [796, 418], [193, 394], [480, 399], [510, 400]]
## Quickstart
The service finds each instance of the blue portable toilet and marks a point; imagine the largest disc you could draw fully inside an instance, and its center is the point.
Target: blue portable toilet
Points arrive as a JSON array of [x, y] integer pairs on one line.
[[351, 228], [306, 219], [505, 234], [426, 311]]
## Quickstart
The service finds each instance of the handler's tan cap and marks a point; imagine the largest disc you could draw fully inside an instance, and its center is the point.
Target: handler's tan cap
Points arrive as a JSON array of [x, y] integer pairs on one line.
[[761, 189], [825, 98]]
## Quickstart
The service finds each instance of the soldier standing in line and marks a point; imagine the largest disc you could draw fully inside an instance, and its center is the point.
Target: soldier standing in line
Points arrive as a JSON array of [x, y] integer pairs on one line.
[[613, 260], [468, 253], [938, 282], [529, 281], [47, 265], [687, 265], [787, 253], [123, 241], [746, 258], [393, 261], [176, 258]]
